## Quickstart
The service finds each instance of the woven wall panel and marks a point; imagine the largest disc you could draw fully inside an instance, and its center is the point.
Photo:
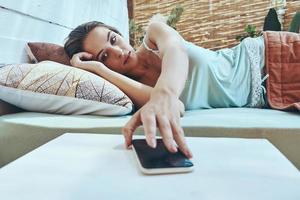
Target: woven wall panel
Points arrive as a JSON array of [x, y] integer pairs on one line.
[[213, 24]]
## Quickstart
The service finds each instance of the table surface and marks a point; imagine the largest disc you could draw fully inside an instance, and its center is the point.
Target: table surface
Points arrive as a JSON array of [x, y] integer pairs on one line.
[[97, 166]]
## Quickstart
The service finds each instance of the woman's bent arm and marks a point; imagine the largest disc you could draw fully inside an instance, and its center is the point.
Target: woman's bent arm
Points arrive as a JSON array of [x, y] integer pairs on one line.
[[139, 93]]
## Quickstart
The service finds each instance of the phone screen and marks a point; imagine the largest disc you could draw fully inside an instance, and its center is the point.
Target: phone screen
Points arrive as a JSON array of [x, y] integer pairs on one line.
[[159, 157]]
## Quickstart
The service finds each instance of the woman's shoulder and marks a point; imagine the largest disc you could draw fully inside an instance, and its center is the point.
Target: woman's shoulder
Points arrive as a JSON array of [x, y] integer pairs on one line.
[[157, 25], [158, 34]]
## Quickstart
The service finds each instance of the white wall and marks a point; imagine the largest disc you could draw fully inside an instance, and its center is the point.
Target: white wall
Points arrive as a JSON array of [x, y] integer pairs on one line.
[[22, 21]]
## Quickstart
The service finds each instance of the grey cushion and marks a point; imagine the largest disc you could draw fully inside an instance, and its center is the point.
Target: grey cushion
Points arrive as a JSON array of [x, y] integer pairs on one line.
[[6, 108], [22, 132]]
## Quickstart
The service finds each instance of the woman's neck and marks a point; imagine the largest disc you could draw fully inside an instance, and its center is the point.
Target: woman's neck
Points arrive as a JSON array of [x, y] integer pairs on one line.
[[140, 69]]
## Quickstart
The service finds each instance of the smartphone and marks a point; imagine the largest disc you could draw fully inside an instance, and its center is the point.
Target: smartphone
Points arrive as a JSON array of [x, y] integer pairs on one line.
[[159, 160]]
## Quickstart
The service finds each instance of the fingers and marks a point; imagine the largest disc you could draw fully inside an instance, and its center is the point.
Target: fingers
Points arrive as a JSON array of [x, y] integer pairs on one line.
[[149, 123], [166, 133], [170, 131], [168, 124], [178, 135], [78, 57], [85, 56], [130, 127]]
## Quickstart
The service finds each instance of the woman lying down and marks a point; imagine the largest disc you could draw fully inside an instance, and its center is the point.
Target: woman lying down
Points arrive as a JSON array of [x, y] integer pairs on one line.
[[167, 74]]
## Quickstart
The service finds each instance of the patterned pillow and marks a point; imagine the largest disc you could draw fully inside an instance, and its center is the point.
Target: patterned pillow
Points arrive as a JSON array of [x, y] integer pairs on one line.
[[56, 88]]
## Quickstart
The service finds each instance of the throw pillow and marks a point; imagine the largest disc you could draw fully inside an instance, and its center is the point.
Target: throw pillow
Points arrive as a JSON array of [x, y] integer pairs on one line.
[[41, 51], [56, 88]]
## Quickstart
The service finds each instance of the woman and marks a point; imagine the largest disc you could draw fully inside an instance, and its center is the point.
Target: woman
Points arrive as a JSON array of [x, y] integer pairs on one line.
[[166, 71], [160, 104]]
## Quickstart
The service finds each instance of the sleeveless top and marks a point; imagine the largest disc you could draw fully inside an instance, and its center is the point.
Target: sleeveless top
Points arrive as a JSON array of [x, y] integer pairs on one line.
[[229, 77]]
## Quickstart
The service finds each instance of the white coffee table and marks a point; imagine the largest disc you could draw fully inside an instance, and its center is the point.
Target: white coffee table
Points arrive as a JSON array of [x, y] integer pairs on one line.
[[97, 166]]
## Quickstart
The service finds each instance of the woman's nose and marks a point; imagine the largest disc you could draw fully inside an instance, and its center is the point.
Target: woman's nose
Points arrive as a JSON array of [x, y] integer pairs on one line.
[[116, 51]]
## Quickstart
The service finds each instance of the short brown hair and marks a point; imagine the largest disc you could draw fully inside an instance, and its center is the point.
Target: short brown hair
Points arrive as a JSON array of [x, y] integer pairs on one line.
[[74, 41]]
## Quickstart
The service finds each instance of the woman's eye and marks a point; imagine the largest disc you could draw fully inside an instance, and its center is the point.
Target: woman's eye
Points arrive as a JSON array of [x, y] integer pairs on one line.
[[104, 57], [113, 39]]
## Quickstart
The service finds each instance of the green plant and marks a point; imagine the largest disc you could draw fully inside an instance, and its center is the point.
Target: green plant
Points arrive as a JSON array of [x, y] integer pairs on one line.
[[174, 16], [295, 23], [250, 32], [136, 32]]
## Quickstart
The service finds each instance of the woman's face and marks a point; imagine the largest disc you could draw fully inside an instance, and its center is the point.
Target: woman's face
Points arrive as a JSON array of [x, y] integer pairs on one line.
[[111, 49]]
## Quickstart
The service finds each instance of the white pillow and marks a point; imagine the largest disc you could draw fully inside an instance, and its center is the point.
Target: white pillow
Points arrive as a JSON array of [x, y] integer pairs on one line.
[[56, 88]]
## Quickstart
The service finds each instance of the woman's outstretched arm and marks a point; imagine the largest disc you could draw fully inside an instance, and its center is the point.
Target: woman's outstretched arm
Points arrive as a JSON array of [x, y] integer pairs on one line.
[[139, 93], [162, 110]]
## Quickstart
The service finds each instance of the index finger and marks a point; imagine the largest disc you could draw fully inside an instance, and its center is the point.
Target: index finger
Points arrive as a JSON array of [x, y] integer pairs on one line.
[[130, 127]]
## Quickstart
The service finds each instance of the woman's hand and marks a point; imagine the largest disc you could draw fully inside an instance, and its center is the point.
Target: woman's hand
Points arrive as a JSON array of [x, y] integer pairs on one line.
[[83, 61], [163, 110]]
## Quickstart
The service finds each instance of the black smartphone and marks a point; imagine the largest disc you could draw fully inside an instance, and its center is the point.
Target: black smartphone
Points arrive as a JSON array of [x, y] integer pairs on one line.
[[159, 160]]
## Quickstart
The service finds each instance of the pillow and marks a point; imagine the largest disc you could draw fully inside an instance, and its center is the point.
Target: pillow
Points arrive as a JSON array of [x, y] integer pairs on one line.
[[56, 88], [40, 51]]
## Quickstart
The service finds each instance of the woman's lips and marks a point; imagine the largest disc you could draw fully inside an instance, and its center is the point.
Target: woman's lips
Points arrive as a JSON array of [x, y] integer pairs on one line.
[[126, 59]]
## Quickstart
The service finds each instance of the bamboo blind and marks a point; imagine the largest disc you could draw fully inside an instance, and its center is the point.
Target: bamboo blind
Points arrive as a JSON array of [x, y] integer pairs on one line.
[[214, 24]]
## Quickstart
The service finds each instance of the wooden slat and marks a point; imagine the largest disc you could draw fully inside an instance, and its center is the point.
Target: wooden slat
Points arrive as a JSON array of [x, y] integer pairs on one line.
[[130, 7]]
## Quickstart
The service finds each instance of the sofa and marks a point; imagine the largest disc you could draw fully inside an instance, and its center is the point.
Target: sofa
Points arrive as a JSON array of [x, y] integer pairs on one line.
[[22, 131]]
